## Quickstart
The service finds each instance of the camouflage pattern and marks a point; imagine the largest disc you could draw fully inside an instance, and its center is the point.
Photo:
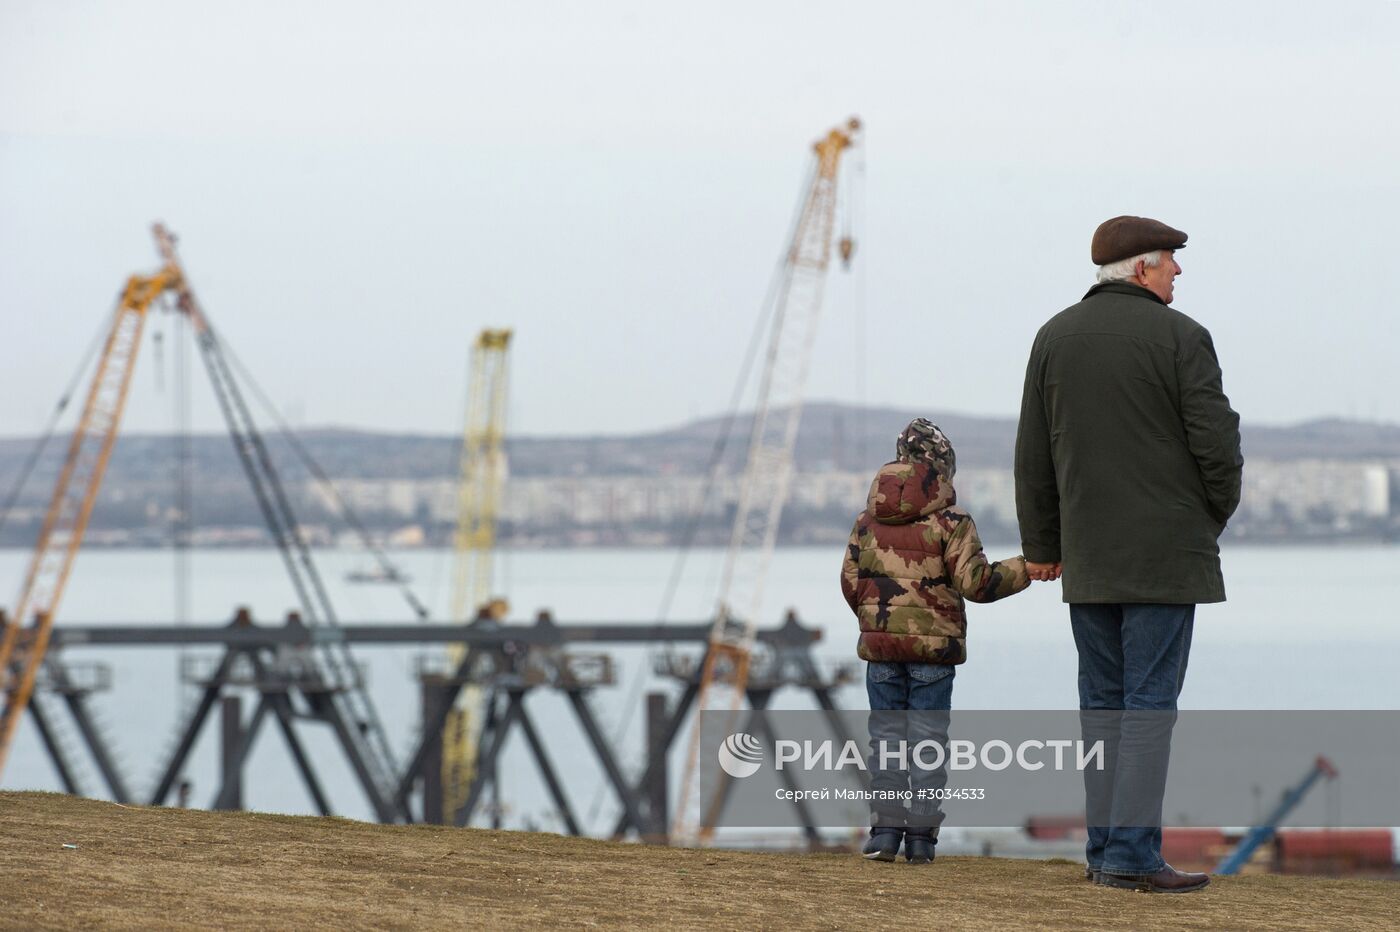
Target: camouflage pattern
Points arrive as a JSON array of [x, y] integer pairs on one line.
[[912, 558], [924, 442]]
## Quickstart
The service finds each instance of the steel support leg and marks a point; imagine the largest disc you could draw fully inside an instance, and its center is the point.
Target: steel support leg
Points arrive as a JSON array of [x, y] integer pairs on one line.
[[822, 694], [759, 699], [492, 782], [561, 802], [329, 711], [486, 764], [56, 752], [234, 758], [836, 723], [654, 790], [97, 747], [231, 731], [433, 699], [282, 708], [657, 763], [759, 718], [624, 790], [192, 728], [432, 732]]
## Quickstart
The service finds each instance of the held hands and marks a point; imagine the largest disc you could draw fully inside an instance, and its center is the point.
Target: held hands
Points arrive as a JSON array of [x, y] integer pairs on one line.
[[1044, 572]]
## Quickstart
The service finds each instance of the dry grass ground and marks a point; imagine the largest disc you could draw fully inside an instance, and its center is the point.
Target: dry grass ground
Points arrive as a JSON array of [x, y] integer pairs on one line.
[[139, 868]]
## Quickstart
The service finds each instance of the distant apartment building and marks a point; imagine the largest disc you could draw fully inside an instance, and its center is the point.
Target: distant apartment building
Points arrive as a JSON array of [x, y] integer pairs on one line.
[[1302, 492]]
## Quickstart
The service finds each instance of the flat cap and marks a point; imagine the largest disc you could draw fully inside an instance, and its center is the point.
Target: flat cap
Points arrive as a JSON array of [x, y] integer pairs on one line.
[[1125, 237]]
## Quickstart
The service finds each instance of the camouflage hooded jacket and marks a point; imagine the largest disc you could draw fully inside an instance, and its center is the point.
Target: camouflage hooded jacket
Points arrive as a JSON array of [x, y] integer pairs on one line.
[[912, 558]]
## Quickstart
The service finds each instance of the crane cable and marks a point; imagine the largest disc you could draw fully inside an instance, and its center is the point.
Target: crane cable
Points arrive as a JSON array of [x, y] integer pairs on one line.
[[48, 433], [308, 461], [182, 479], [688, 538], [855, 227], [435, 576], [761, 324]]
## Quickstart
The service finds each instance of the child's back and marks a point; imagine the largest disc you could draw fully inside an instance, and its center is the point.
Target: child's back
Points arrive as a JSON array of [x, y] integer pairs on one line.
[[912, 558]]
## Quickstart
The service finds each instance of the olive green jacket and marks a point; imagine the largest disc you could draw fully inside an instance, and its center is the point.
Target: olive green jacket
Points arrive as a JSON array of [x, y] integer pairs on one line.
[[1128, 454]]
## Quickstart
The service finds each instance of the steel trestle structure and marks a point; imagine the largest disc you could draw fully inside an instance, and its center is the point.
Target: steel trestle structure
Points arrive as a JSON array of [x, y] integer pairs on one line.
[[507, 661]]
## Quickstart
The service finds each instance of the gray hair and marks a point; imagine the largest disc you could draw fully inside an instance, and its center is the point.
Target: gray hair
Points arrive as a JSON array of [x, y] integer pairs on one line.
[[1124, 269]]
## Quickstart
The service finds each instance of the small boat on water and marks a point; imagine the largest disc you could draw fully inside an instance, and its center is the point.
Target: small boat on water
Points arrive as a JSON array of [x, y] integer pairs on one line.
[[377, 575]]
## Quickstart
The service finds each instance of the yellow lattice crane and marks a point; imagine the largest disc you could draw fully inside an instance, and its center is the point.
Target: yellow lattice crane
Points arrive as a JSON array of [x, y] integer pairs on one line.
[[22, 648], [482, 470]]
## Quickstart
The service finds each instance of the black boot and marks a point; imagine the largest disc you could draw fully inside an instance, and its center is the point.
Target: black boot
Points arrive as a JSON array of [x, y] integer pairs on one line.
[[883, 843], [919, 845]]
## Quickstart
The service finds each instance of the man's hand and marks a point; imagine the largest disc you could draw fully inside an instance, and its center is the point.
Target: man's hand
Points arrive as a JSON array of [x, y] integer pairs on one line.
[[1044, 572]]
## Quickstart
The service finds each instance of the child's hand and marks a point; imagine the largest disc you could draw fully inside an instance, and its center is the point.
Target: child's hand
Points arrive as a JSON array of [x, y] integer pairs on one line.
[[1044, 572]]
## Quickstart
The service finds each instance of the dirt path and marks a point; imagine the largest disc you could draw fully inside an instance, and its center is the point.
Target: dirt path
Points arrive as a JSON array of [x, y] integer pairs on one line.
[[141, 868]]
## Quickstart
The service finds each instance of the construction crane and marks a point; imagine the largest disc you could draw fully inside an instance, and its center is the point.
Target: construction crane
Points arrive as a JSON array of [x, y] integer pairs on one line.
[[481, 472], [22, 652], [797, 306], [1322, 768], [23, 649], [374, 761]]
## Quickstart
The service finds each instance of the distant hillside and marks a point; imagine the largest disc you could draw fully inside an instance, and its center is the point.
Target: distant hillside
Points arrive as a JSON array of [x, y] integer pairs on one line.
[[832, 433], [832, 436]]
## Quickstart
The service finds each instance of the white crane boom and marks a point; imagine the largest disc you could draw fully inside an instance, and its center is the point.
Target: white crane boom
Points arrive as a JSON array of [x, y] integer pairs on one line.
[[768, 470]]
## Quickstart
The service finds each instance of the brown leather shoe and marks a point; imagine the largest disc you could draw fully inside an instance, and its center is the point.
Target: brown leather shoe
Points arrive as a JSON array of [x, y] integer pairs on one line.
[[1166, 880]]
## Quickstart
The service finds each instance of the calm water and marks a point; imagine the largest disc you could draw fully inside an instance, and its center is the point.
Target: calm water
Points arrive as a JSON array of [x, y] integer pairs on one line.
[[1304, 628]]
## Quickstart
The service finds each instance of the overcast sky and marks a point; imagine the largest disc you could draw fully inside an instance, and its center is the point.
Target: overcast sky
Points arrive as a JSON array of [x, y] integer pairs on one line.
[[360, 187]]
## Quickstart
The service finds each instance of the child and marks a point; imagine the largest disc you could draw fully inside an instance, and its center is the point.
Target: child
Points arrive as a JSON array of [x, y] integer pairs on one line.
[[911, 560]]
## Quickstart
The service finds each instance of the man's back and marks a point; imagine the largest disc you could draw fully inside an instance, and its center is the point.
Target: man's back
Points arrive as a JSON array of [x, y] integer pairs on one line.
[[1127, 468], [1127, 457]]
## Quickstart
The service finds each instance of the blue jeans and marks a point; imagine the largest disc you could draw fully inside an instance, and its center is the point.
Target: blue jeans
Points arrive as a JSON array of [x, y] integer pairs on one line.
[[1132, 657], [899, 689]]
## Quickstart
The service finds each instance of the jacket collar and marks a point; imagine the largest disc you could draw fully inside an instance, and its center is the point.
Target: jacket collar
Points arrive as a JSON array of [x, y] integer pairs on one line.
[[1127, 288]]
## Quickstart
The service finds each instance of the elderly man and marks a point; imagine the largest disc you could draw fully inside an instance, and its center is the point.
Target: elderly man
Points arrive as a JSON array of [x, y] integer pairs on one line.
[[1127, 468]]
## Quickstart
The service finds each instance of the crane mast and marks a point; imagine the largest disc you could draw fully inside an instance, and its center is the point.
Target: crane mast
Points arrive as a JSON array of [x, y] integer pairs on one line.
[[61, 535], [768, 470], [482, 470]]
